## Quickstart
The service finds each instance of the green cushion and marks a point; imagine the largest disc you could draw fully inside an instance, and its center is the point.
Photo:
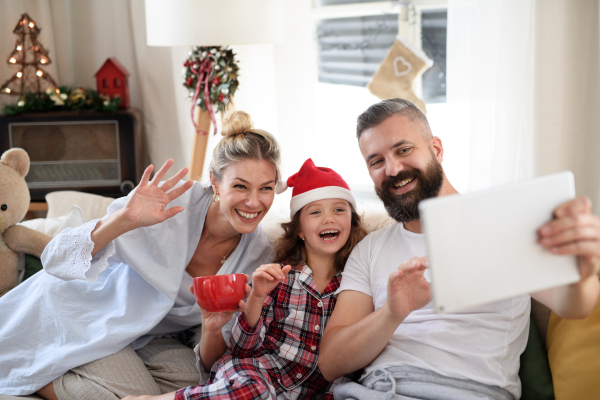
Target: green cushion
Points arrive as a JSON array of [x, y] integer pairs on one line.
[[33, 265], [536, 379]]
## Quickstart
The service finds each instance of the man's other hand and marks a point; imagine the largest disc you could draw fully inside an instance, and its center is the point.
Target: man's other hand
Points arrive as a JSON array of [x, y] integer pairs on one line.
[[408, 290], [574, 231]]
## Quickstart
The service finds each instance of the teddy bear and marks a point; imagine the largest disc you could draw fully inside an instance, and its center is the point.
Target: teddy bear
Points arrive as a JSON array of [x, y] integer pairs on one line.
[[14, 203]]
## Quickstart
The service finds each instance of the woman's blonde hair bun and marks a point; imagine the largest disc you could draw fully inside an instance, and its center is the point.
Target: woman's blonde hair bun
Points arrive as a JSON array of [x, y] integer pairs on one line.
[[241, 142], [236, 122]]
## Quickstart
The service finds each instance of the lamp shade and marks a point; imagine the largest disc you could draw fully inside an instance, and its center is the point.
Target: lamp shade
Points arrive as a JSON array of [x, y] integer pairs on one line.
[[213, 22]]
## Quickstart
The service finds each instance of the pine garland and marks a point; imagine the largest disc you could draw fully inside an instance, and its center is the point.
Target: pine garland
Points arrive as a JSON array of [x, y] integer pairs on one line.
[[65, 99]]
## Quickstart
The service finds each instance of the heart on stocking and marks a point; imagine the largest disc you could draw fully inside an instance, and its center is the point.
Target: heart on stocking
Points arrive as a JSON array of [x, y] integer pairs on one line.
[[404, 63]]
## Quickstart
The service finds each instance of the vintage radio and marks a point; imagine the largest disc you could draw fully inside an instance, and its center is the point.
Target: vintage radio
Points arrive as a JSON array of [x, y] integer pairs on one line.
[[91, 152]]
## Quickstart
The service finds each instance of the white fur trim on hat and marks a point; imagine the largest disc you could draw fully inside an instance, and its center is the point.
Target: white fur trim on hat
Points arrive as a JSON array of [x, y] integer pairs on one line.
[[326, 192], [281, 187]]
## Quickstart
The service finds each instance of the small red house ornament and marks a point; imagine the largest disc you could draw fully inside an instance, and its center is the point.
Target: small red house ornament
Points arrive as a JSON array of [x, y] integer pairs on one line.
[[111, 80]]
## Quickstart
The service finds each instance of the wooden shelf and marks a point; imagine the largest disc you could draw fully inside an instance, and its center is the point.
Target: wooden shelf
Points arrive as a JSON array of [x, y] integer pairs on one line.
[[38, 206]]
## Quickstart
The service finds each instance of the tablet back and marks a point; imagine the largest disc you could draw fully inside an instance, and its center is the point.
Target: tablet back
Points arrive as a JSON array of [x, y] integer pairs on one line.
[[482, 246]]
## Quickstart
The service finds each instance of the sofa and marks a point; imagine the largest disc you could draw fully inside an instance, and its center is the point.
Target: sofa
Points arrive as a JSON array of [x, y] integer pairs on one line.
[[549, 335]]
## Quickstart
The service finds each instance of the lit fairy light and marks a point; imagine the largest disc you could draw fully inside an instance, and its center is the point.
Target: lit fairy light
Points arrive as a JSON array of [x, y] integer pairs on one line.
[[43, 61], [31, 24], [19, 48], [19, 74], [12, 60], [39, 72], [7, 90]]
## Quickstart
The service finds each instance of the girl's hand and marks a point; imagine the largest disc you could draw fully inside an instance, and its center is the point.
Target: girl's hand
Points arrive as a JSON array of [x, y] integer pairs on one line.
[[147, 204], [266, 278], [214, 321]]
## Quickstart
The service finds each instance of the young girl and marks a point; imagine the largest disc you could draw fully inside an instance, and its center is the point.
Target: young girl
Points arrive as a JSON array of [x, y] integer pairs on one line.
[[274, 344]]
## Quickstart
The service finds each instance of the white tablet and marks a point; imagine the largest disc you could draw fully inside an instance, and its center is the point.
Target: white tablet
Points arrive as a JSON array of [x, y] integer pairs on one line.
[[482, 247]]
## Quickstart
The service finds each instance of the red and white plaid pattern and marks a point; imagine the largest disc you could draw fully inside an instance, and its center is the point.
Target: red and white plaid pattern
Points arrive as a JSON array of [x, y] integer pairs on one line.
[[277, 359]]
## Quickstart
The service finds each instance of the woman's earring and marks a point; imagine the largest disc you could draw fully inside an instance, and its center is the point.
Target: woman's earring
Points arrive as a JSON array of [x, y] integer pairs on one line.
[[215, 197], [302, 239]]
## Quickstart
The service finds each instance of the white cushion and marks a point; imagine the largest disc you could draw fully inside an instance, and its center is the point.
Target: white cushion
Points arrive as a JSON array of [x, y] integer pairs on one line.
[[53, 226], [92, 205]]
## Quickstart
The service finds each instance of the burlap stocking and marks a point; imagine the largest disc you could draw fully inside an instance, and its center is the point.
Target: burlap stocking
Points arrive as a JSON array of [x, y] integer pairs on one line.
[[396, 74]]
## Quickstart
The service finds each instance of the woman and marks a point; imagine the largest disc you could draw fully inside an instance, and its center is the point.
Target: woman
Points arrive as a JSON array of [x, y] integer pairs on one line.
[[138, 262]]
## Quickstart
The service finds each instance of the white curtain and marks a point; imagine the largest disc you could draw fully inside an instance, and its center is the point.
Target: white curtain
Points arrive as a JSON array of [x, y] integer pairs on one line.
[[525, 76]]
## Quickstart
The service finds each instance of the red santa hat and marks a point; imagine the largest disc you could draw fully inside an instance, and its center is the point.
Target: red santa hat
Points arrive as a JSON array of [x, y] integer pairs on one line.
[[313, 183]]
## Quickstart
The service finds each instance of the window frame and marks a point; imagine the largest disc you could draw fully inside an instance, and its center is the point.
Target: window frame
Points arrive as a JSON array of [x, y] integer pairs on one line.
[[410, 31]]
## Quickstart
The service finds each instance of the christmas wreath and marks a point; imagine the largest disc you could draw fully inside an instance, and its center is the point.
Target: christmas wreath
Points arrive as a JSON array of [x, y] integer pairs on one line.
[[63, 99], [216, 66]]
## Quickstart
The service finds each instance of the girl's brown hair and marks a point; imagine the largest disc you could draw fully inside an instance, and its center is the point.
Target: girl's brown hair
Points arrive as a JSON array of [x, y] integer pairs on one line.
[[290, 249]]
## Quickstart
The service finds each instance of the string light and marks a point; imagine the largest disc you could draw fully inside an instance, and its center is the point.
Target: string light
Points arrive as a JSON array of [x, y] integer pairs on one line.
[[19, 47], [43, 61], [57, 90], [12, 60], [19, 74], [7, 90], [31, 24], [39, 72]]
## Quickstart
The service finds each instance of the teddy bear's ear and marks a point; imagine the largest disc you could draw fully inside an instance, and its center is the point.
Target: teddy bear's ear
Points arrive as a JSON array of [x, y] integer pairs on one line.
[[17, 159]]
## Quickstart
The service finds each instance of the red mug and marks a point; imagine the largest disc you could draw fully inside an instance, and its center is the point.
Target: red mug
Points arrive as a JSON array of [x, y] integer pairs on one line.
[[216, 293]]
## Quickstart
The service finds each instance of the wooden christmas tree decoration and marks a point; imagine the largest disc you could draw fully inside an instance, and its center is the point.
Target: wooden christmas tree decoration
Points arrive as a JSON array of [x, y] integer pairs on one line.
[[29, 55]]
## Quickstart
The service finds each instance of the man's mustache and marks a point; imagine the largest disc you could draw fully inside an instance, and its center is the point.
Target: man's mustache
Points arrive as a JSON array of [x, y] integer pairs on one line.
[[392, 181]]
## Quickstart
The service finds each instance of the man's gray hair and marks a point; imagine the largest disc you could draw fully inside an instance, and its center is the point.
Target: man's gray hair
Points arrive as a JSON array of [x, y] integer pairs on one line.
[[381, 111]]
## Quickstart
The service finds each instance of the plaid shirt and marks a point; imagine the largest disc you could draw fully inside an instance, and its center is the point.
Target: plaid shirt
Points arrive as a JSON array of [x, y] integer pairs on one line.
[[287, 338]]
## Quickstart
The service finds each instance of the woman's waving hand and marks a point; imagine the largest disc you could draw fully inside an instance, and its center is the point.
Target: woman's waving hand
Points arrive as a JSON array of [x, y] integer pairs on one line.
[[147, 205]]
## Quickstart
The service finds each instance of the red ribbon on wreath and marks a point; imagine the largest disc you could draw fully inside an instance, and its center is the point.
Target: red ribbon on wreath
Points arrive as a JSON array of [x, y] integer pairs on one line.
[[203, 73]]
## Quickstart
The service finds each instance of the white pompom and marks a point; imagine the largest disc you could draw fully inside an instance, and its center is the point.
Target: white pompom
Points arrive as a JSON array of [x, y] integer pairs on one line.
[[281, 187]]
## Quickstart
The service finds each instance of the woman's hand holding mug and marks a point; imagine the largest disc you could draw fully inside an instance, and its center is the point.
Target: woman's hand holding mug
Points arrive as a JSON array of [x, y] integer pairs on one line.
[[215, 320]]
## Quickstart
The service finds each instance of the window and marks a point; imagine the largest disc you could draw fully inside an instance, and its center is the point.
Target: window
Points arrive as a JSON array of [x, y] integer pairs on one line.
[[117, 83], [353, 37], [351, 49], [105, 84], [434, 24]]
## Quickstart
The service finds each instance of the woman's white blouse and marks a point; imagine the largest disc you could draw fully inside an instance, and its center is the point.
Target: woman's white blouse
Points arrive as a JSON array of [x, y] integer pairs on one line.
[[82, 308]]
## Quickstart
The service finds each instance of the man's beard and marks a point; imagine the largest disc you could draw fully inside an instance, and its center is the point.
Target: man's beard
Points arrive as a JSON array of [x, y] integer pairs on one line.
[[405, 207]]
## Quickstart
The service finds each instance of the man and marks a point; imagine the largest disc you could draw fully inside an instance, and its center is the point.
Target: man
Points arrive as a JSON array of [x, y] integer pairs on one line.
[[384, 320]]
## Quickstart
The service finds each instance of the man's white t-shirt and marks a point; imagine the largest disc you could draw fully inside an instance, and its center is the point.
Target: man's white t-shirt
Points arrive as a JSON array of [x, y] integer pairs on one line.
[[483, 344]]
